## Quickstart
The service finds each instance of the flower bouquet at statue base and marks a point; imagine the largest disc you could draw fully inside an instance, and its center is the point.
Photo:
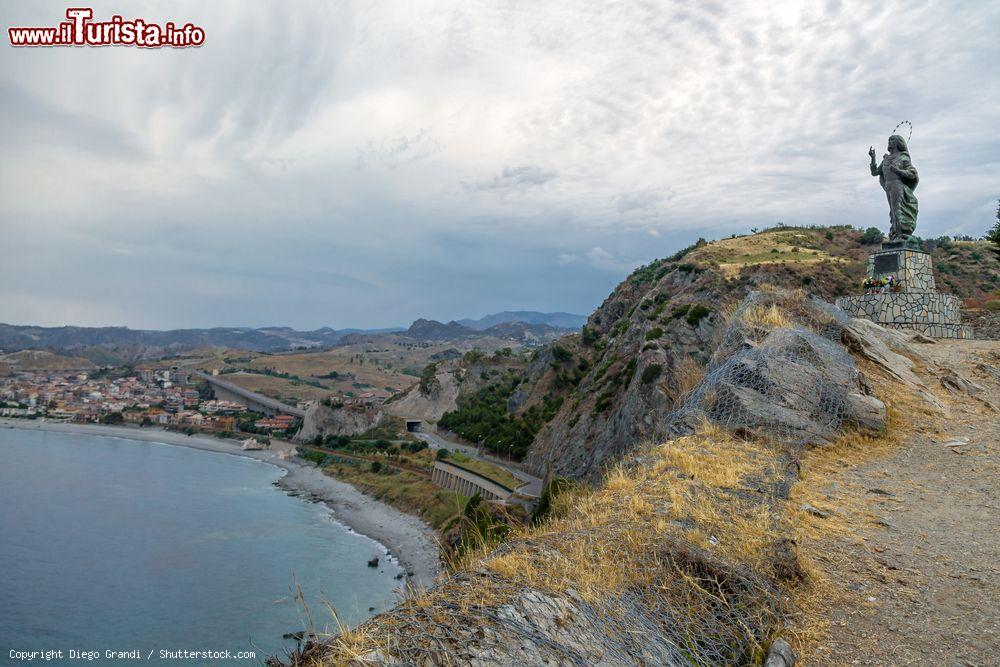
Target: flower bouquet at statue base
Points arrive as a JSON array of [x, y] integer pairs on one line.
[[884, 285]]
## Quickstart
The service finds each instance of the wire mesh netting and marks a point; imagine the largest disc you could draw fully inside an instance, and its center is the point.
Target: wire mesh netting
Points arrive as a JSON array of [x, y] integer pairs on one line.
[[778, 373]]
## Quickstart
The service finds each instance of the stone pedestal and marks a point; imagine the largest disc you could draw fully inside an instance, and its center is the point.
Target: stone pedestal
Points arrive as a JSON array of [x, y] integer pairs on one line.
[[913, 304]]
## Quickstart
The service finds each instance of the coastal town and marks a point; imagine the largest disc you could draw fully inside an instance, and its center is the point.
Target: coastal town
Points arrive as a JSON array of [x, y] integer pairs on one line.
[[169, 398]]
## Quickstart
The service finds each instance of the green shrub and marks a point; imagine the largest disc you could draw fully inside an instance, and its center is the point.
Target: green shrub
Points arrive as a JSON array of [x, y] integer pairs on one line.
[[651, 373], [561, 354], [689, 268], [429, 384], [871, 236], [483, 417], [315, 457], [630, 372], [654, 333], [696, 314], [679, 311], [555, 486], [604, 401], [376, 466]]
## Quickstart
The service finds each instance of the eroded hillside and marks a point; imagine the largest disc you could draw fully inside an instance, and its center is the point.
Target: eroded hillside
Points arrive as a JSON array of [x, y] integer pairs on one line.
[[647, 344], [683, 555]]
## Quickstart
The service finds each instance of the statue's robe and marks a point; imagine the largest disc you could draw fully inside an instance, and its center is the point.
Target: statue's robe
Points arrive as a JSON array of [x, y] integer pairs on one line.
[[899, 184]]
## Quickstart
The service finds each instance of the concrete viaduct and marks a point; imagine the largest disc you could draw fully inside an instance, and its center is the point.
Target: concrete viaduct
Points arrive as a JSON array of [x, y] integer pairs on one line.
[[227, 391]]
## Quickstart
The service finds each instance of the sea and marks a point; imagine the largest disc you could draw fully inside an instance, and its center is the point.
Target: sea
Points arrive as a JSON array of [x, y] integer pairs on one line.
[[171, 554]]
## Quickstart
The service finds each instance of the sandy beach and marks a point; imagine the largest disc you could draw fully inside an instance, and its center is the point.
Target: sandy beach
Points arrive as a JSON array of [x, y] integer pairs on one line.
[[407, 538]]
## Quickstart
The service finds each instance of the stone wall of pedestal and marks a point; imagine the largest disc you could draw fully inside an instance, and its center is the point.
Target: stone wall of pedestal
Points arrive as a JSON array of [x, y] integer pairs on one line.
[[931, 313], [911, 268], [913, 304]]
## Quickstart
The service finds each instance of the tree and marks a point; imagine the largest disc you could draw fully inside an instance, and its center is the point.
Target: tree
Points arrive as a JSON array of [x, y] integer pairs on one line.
[[993, 236], [871, 236], [113, 418], [429, 384]]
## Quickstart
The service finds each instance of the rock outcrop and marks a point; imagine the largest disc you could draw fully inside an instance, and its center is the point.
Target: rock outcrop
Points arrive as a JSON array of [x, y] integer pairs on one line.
[[783, 380], [647, 342], [322, 420], [415, 404]]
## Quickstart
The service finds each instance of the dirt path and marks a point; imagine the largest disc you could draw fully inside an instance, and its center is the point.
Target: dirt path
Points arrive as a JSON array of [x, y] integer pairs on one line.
[[923, 564]]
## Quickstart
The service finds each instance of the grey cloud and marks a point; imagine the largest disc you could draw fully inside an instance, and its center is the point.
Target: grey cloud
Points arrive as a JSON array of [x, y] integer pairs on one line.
[[640, 200], [399, 150], [39, 122], [221, 185], [515, 178]]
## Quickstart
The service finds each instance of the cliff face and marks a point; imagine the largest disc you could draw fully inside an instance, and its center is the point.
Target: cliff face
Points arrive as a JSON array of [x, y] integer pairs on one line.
[[682, 555], [415, 404], [349, 420], [646, 342], [650, 340]]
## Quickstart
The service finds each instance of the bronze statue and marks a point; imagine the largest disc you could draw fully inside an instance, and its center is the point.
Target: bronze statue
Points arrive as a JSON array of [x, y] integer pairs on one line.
[[898, 177]]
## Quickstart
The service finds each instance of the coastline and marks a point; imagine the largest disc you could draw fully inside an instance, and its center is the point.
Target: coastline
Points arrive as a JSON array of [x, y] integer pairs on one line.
[[406, 537]]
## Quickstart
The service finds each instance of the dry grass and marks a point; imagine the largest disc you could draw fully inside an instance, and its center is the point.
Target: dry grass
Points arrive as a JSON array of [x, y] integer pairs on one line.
[[404, 490], [690, 493], [790, 247], [686, 376], [765, 316]]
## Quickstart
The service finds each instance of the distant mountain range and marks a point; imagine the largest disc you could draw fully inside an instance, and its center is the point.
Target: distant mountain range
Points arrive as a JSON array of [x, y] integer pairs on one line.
[[558, 320], [516, 330], [141, 342], [144, 343]]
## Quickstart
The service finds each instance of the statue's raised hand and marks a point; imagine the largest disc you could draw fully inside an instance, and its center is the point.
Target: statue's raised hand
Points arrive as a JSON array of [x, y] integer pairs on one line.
[[871, 152]]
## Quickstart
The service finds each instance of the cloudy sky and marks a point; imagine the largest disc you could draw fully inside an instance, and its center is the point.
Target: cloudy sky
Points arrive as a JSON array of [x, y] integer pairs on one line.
[[363, 164]]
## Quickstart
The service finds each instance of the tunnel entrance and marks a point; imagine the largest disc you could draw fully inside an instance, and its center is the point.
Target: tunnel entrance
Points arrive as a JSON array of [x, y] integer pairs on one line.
[[414, 425]]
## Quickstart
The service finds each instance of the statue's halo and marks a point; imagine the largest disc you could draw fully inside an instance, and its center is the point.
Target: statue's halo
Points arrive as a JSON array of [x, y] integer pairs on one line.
[[901, 124]]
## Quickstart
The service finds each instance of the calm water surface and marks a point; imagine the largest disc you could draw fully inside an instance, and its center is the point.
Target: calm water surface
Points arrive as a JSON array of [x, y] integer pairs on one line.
[[117, 544]]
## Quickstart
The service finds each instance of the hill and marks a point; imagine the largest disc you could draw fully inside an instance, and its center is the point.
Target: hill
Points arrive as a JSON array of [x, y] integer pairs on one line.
[[557, 320], [647, 344], [698, 548], [144, 344], [707, 405], [589, 397]]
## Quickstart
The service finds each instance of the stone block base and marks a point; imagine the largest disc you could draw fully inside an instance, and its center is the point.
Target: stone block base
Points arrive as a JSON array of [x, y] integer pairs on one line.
[[931, 313], [936, 330]]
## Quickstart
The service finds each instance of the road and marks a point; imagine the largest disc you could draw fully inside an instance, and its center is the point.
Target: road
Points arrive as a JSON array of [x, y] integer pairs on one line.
[[531, 485]]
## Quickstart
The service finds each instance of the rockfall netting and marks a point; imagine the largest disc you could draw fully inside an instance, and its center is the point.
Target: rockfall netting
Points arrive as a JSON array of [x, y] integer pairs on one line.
[[781, 373]]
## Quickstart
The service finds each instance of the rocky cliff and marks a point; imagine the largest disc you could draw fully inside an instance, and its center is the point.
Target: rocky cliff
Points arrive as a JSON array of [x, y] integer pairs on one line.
[[682, 554], [649, 342], [323, 420]]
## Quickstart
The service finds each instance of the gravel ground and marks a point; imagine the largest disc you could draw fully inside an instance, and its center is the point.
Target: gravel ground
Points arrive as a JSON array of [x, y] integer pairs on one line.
[[923, 572]]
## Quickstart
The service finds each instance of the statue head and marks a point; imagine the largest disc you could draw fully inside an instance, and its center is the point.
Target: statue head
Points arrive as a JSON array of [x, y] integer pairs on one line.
[[897, 144]]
